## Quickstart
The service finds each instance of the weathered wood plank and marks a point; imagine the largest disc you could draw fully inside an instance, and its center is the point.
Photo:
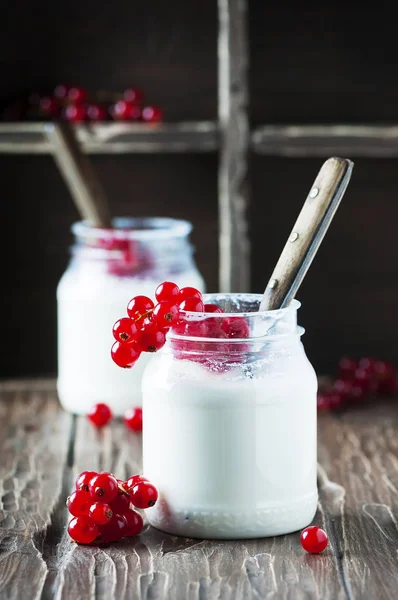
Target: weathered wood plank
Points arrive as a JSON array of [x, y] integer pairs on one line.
[[34, 438]]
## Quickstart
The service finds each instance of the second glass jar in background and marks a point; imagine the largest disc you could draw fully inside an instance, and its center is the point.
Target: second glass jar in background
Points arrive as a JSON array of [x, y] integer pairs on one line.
[[108, 268]]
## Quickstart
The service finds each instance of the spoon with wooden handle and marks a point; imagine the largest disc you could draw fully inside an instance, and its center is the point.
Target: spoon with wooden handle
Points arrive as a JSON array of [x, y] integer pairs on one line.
[[79, 175], [308, 232]]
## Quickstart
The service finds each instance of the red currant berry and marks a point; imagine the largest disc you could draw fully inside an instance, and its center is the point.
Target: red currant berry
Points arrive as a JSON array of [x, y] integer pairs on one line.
[[236, 327], [77, 95], [125, 111], [103, 487], [125, 355], [97, 112], [188, 292], [134, 523], [124, 330], [139, 306], [165, 313], [49, 106], [79, 503], [143, 494], [100, 513], [347, 367], [76, 113], [133, 419], [363, 379], [114, 530], [83, 481], [313, 539], [82, 530], [212, 308], [167, 291], [192, 305], [343, 387], [121, 503], [329, 400], [152, 114], [150, 338], [367, 364], [61, 91], [132, 481], [100, 414], [133, 95]]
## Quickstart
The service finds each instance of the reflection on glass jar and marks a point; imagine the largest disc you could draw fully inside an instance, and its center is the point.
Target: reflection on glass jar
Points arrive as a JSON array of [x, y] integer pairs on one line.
[[230, 424], [108, 268]]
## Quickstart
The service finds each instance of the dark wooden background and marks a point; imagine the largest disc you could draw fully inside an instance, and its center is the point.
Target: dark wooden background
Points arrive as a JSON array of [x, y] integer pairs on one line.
[[309, 63]]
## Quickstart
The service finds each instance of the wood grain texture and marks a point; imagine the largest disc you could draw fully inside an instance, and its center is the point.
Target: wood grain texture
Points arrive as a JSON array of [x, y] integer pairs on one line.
[[43, 448], [307, 234]]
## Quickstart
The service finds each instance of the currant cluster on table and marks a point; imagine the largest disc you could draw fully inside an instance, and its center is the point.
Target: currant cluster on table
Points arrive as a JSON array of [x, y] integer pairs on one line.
[[100, 415], [102, 507], [145, 328], [75, 104], [357, 380]]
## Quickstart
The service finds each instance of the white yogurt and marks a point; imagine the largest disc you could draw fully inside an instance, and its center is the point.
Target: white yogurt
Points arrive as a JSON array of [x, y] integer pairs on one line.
[[90, 300], [232, 454]]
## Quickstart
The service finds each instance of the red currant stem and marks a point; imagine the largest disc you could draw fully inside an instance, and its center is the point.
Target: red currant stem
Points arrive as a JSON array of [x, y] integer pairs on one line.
[[121, 489], [144, 315]]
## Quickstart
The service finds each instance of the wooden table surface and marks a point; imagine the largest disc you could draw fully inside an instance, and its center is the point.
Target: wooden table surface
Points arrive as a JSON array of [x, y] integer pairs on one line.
[[43, 448]]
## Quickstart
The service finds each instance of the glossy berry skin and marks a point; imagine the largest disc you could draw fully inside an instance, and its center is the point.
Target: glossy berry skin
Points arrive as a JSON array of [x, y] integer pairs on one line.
[[132, 481], [61, 91], [49, 106], [83, 481], [143, 494], [236, 327], [134, 523], [103, 487], [152, 114], [133, 419], [165, 313], [347, 367], [121, 503], [100, 414], [79, 503], [329, 400], [78, 95], [133, 95], [313, 539], [115, 529], [212, 308], [167, 291], [124, 330], [125, 111], [97, 112], [188, 292], [76, 113], [150, 338], [82, 530], [100, 513], [138, 306], [125, 355], [192, 305]]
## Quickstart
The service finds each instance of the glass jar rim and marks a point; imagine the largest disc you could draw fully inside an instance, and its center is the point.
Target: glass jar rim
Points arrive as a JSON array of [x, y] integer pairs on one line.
[[134, 228], [212, 298]]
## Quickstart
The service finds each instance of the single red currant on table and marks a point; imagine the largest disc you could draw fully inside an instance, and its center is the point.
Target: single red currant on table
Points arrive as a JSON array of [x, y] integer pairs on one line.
[[100, 414], [313, 539], [133, 419], [82, 530]]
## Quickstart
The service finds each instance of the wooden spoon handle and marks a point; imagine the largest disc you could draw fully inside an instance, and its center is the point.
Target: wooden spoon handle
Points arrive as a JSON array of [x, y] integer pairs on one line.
[[79, 175], [307, 233]]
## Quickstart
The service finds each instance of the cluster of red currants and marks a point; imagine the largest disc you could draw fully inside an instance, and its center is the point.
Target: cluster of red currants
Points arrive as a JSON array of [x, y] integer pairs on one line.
[[356, 380], [100, 414], [74, 104], [103, 507], [145, 328]]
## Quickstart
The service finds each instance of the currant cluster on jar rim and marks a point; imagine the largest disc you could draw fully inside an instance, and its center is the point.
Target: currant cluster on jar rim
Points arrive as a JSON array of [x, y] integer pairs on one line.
[[145, 328], [102, 507], [100, 415], [74, 103], [357, 380]]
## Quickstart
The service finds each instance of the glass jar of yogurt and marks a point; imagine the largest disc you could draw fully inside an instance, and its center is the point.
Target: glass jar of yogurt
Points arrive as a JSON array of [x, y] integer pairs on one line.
[[109, 267], [229, 433]]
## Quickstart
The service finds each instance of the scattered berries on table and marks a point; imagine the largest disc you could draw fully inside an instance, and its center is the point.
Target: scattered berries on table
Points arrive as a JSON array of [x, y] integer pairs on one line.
[[313, 539], [102, 507], [100, 414]]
